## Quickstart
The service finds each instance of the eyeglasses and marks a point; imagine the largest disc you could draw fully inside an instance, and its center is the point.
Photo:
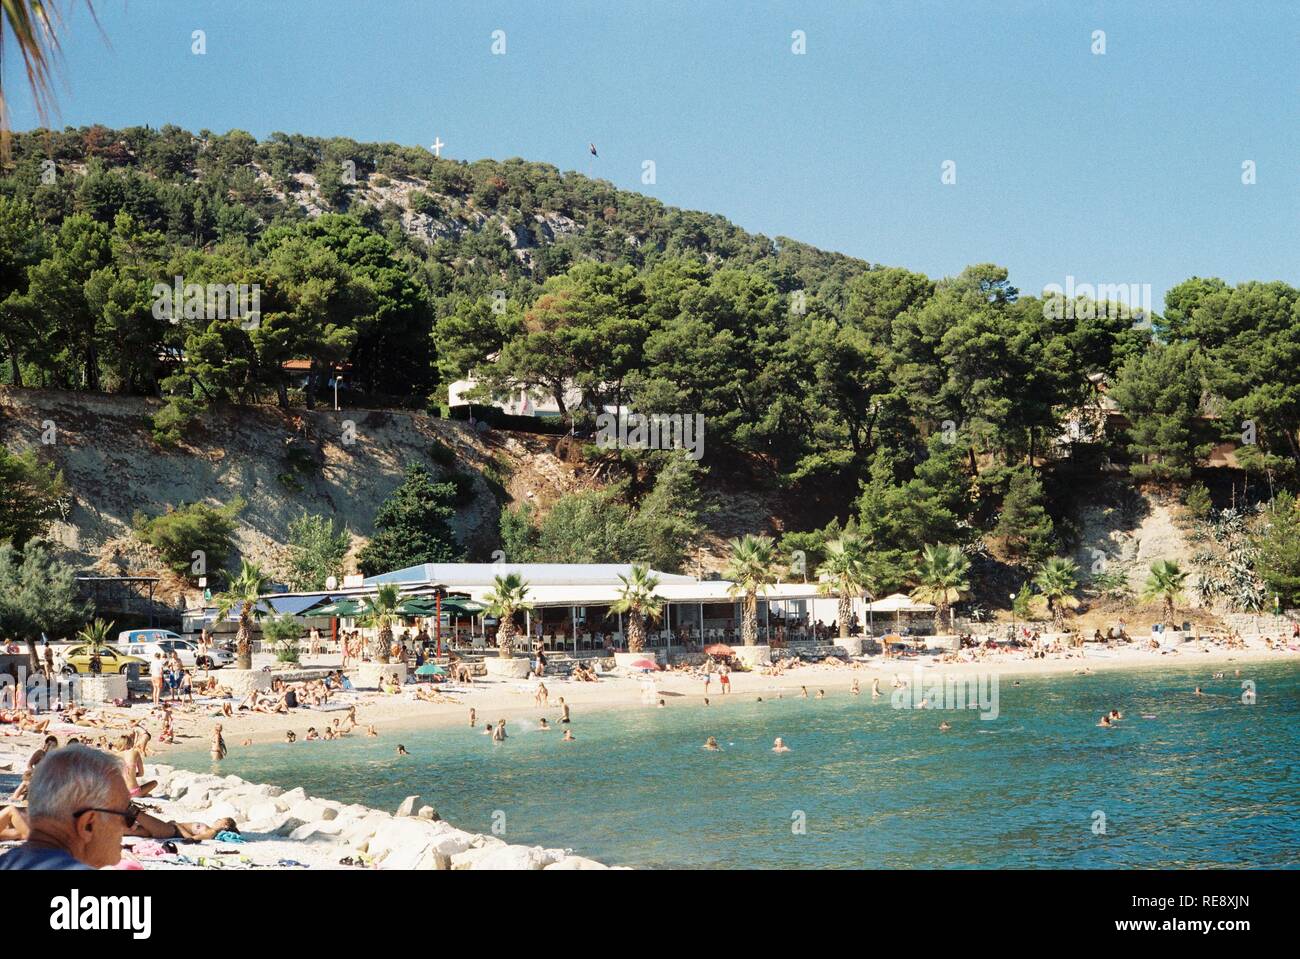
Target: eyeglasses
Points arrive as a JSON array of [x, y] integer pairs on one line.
[[131, 815]]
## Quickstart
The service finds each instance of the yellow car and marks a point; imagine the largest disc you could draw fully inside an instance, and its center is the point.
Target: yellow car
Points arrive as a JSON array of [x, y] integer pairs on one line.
[[77, 660]]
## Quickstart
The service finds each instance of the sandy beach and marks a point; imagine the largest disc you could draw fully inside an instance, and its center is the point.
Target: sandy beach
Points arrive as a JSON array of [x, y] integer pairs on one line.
[[288, 829]]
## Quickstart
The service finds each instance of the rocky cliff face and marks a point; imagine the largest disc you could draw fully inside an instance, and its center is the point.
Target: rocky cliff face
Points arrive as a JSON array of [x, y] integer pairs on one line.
[[282, 464]]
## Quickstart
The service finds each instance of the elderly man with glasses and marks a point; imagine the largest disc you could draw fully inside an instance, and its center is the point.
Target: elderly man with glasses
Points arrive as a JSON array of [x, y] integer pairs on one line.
[[78, 810]]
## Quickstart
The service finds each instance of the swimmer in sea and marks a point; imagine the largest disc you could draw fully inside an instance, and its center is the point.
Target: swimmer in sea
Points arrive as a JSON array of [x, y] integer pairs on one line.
[[779, 746], [856, 688], [1115, 714], [370, 731], [500, 735], [1105, 721], [875, 687], [944, 726], [291, 737], [759, 699], [662, 704], [706, 700], [803, 691], [1197, 692], [401, 750], [487, 731], [568, 736], [711, 744], [821, 694], [543, 726]]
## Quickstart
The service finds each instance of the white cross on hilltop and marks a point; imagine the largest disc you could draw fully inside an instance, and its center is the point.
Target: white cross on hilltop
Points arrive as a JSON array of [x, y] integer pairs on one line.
[[437, 146]]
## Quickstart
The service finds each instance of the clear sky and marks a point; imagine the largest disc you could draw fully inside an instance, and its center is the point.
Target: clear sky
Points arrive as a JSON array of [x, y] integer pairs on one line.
[[1124, 167]]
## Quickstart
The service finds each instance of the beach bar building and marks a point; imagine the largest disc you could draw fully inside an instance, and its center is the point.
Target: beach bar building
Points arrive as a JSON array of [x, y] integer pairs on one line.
[[571, 604]]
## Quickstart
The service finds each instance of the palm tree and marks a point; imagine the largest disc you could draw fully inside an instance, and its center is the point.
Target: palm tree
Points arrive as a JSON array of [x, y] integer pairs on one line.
[[381, 610], [843, 574], [1166, 584], [751, 569], [941, 578], [509, 595], [96, 633], [1057, 579], [243, 592], [34, 25], [637, 598]]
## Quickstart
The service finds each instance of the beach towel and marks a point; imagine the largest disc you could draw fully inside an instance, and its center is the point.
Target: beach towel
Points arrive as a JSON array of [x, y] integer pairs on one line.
[[225, 836]]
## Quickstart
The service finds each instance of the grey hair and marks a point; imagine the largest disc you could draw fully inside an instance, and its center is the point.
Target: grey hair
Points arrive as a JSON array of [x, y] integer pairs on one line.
[[70, 779]]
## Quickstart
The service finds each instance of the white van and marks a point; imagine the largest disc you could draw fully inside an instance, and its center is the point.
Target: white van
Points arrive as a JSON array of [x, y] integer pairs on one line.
[[145, 642]]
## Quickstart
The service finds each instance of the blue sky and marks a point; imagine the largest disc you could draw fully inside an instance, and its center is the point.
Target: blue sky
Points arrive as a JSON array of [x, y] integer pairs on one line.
[[1119, 168]]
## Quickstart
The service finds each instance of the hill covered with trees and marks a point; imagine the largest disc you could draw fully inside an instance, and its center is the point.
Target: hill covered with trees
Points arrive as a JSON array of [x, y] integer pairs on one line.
[[917, 411]]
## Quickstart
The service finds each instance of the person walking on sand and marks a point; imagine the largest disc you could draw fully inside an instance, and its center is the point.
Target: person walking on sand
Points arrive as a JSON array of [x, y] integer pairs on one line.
[[542, 695], [724, 679]]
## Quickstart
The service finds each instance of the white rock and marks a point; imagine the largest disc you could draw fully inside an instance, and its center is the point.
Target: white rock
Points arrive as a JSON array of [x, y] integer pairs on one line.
[[401, 843], [221, 810], [408, 806], [576, 862], [517, 857], [428, 812], [262, 812]]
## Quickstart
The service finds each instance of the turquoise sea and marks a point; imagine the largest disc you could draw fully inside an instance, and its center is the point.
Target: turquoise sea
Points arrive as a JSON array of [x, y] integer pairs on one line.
[[1208, 782]]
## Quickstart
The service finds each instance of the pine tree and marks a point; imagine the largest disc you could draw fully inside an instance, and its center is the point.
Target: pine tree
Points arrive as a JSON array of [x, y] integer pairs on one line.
[[412, 526], [1023, 525]]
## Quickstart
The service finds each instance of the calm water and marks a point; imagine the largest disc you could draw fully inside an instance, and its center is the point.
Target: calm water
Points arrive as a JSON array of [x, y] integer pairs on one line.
[[1208, 782]]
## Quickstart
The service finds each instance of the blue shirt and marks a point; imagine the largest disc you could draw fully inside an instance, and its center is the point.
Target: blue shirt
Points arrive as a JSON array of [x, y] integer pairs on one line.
[[39, 857]]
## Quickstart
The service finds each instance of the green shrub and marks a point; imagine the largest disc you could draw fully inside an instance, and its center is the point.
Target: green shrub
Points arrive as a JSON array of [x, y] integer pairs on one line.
[[195, 539]]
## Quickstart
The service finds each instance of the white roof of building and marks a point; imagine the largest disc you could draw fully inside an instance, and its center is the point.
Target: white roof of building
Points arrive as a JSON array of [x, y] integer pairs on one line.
[[576, 584], [693, 591], [461, 576]]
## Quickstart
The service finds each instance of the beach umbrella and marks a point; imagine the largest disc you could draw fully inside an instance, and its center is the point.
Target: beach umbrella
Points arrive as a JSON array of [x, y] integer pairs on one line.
[[643, 664], [343, 607], [719, 649], [430, 669], [416, 606]]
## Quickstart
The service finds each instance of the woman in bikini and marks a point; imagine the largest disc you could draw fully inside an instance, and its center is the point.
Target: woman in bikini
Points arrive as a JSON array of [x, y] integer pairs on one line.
[[154, 828], [13, 824], [133, 767]]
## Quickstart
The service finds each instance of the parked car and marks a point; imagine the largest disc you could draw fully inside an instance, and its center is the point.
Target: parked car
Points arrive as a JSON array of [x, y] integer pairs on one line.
[[77, 660], [187, 652], [131, 637]]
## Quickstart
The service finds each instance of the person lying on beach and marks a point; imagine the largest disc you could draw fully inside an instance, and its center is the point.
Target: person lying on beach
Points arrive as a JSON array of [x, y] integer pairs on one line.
[[151, 827], [13, 824], [779, 746], [133, 767]]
